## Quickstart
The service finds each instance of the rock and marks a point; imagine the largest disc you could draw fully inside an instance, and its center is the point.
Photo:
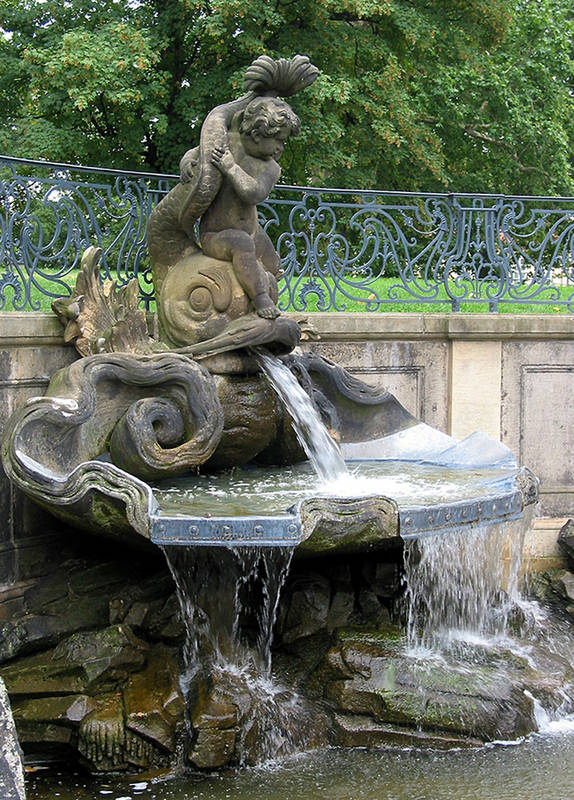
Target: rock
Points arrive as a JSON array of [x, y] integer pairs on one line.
[[340, 610], [50, 721], [354, 730], [566, 541], [153, 704], [141, 604], [73, 598], [34, 632], [371, 610], [563, 584], [214, 720], [371, 674], [212, 748], [85, 662], [104, 743], [118, 730], [11, 771], [308, 607], [382, 577]]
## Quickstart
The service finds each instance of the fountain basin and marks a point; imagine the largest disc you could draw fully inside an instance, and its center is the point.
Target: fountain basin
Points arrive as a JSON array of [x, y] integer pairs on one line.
[[123, 408], [381, 500]]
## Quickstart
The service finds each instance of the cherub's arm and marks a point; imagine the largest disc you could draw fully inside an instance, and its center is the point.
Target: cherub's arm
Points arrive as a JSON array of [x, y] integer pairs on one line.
[[250, 189]]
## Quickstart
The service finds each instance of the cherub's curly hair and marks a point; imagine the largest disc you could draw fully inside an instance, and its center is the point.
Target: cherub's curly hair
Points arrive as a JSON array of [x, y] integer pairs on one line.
[[269, 116]]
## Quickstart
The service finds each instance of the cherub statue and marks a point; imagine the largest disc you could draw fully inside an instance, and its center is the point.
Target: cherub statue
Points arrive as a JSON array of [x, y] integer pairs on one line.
[[222, 180], [229, 230]]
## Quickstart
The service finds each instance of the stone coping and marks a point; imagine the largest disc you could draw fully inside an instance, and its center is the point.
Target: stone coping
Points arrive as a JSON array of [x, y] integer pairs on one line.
[[27, 328], [30, 328], [380, 325]]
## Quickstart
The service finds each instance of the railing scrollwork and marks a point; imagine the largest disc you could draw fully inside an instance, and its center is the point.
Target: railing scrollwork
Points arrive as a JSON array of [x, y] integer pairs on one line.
[[341, 249]]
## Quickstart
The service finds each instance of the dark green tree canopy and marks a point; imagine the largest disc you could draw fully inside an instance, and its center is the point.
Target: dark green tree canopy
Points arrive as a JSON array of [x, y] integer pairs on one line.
[[464, 95]]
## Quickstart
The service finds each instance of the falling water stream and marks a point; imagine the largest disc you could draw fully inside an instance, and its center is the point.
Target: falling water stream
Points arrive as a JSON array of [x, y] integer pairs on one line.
[[322, 451], [459, 584], [229, 599], [460, 595]]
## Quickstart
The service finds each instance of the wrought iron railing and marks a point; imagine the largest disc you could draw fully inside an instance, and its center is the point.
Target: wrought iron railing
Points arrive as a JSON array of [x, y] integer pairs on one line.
[[341, 249]]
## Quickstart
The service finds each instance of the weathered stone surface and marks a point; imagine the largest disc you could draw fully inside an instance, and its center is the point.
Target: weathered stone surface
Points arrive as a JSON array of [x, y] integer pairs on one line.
[[563, 583], [214, 719], [566, 541], [251, 418], [149, 606], [354, 730], [104, 743], [81, 663], [60, 710], [98, 317], [341, 609], [56, 611], [204, 287], [344, 591], [131, 403], [370, 674], [50, 721], [213, 748], [11, 772], [310, 598], [87, 593], [372, 610], [382, 577], [153, 704], [337, 525]]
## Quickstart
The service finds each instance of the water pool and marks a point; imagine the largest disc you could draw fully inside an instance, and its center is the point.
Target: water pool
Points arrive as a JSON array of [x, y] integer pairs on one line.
[[539, 768]]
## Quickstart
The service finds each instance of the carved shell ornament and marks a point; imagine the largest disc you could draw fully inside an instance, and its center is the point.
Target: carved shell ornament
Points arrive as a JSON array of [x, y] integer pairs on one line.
[[284, 77]]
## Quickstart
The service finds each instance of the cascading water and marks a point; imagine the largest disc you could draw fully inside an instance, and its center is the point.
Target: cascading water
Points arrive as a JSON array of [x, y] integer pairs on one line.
[[229, 603], [461, 591], [460, 583], [229, 598], [322, 451], [465, 608]]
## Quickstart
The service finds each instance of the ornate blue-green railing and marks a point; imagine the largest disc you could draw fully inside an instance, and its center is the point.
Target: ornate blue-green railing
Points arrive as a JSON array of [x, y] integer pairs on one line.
[[342, 249]]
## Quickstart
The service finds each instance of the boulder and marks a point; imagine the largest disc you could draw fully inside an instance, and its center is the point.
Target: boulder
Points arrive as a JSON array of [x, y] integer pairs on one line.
[[11, 771], [372, 675], [566, 541]]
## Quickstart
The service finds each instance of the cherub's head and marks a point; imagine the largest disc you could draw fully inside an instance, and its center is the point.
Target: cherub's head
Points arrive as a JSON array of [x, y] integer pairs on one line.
[[266, 125]]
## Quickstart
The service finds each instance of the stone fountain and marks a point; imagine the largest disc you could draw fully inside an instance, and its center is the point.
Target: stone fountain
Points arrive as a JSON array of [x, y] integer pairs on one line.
[[182, 393]]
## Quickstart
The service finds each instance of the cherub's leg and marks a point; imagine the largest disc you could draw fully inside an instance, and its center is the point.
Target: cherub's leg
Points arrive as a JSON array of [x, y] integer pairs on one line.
[[266, 252], [239, 247]]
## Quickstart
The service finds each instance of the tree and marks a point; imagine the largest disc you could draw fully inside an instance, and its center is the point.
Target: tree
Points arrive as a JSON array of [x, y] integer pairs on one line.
[[86, 82], [507, 120], [413, 94]]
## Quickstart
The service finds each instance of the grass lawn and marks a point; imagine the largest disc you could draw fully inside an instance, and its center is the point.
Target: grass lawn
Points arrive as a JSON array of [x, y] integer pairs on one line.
[[546, 302], [380, 288]]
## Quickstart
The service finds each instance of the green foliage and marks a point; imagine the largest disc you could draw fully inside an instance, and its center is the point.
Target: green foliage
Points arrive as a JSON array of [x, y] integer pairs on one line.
[[414, 94], [507, 122]]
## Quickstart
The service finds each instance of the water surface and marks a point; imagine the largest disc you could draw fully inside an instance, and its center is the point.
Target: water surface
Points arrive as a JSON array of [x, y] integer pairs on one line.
[[540, 768], [249, 491]]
